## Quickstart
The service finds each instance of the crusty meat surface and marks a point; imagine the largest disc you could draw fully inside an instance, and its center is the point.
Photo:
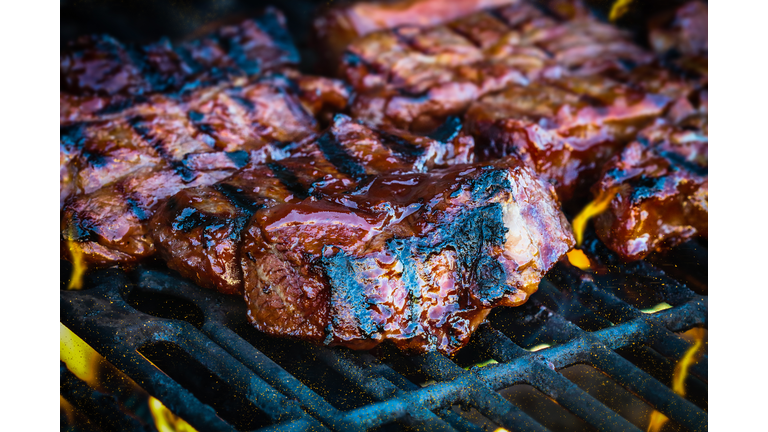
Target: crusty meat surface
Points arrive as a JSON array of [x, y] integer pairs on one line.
[[413, 77], [125, 148], [565, 129], [661, 192], [197, 231], [342, 23], [418, 259], [100, 65]]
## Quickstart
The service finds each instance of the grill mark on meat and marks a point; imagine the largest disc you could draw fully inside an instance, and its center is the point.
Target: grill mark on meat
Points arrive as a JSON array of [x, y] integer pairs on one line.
[[117, 105], [270, 24], [72, 135], [245, 103], [348, 295], [410, 278], [288, 179], [400, 146], [447, 131], [186, 174], [235, 51], [335, 153], [190, 218], [685, 163], [187, 58], [237, 197], [239, 157], [80, 230]]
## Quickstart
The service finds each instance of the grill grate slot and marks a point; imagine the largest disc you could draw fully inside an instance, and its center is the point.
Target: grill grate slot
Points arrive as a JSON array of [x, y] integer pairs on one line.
[[577, 321]]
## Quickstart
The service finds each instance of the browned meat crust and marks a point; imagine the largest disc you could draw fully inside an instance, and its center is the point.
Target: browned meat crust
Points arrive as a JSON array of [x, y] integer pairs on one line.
[[662, 198], [100, 65], [339, 25], [413, 77], [197, 231], [565, 129], [418, 259]]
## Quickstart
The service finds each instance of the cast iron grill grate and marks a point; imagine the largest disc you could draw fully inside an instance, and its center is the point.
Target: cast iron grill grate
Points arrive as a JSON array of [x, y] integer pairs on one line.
[[194, 351]]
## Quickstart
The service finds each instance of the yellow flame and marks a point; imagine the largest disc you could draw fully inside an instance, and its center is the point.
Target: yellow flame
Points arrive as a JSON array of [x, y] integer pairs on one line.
[[501, 430], [579, 259], [78, 265], [659, 307], [594, 208], [165, 420], [678, 377], [539, 347], [80, 358], [619, 8]]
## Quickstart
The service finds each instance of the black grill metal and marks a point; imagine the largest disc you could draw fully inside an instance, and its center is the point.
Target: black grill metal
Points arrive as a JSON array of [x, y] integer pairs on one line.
[[194, 351], [191, 347]]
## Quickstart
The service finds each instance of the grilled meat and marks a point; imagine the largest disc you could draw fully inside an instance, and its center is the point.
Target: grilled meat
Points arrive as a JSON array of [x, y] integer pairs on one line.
[[197, 231], [418, 259], [123, 150], [340, 24], [565, 129], [100, 65], [661, 196], [413, 76]]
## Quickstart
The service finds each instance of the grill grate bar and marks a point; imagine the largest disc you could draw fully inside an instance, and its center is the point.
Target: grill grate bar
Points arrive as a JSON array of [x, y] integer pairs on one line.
[[379, 387], [102, 318], [664, 341], [554, 385]]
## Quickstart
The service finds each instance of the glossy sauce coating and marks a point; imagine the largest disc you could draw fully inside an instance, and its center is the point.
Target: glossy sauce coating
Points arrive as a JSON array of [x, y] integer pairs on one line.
[[664, 200], [198, 230], [414, 76], [124, 150], [414, 258], [565, 129]]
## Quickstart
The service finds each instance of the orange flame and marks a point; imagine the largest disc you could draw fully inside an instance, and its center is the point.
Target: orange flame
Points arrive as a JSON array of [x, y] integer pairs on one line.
[[579, 259], [501, 429], [85, 363], [165, 420], [68, 409], [594, 208], [678, 377], [78, 265], [619, 8]]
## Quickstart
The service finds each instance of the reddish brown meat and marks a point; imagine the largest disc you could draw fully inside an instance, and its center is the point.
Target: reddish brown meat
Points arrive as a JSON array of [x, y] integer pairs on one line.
[[197, 231], [664, 192], [341, 24], [116, 170], [413, 77], [418, 259], [100, 65], [565, 129]]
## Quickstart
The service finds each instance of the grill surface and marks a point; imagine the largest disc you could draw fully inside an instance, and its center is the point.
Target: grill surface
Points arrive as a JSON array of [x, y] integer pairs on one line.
[[193, 350]]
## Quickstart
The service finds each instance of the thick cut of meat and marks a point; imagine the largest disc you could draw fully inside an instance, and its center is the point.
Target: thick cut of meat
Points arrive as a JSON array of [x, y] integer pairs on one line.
[[661, 192], [413, 77], [565, 129], [339, 25], [100, 65], [197, 231], [117, 169], [418, 259]]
